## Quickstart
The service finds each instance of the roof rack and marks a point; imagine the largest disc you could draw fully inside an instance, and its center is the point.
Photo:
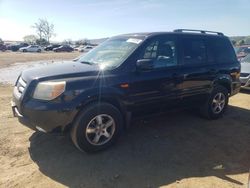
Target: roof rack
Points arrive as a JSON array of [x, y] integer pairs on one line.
[[200, 31]]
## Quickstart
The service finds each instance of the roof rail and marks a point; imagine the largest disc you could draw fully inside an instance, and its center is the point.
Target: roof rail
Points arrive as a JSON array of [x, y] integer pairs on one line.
[[200, 31]]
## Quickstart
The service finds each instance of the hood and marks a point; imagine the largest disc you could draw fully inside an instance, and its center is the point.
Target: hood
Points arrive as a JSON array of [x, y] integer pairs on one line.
[[59, 70], [245, 67]]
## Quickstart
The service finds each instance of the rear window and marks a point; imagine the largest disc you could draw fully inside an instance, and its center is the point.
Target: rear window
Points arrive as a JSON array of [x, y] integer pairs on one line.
[[221, 50]]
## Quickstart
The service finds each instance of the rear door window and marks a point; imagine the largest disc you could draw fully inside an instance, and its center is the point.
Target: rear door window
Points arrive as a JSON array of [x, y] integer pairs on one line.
[[194, 51]]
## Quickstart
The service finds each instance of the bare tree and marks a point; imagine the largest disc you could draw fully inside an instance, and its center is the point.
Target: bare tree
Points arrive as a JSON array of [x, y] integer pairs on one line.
[[44, 29], [31, 39], [48, 30], [39, 28]]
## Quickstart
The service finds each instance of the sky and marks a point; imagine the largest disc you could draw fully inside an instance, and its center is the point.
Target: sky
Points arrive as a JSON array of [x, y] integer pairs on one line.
[[92, 19]]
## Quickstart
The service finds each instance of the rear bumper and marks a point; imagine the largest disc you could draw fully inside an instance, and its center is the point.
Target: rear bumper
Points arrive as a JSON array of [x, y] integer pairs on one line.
[[235, 88], [245, 82]]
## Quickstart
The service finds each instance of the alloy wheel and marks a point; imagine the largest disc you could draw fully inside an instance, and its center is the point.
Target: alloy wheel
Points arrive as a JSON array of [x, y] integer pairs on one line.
[[218, 103], [100, 129]]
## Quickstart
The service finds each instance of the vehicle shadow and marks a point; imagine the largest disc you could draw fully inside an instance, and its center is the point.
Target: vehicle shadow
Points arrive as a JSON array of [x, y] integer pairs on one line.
[[152, 153]]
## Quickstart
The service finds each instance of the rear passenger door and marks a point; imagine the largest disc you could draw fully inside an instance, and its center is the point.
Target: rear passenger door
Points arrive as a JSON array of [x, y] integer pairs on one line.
[[196, 71]]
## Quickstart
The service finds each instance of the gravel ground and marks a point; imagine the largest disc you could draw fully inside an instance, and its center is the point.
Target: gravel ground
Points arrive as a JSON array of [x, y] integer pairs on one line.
[[176, 149], [9, 58]]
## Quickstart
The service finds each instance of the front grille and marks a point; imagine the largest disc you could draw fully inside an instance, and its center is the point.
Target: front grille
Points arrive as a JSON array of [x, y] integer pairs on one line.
[[244, 74], [21, 85]]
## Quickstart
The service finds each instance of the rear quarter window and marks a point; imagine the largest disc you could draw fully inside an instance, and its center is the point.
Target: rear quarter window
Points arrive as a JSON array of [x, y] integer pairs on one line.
[[220, 50]]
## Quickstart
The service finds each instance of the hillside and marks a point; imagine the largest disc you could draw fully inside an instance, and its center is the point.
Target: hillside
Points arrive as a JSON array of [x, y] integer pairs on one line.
[[237, 39]]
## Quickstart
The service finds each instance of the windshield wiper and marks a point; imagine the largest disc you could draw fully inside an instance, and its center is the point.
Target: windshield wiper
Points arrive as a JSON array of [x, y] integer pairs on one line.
[[87, 62]]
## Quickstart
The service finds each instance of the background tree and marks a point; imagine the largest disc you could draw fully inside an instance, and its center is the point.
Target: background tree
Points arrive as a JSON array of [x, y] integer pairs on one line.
[[84, 41], [1, 41], [67, 42], [247, 40], [48, 30], [30, 39], [42, 42], [233, 42], [240, 43], [44, 29]]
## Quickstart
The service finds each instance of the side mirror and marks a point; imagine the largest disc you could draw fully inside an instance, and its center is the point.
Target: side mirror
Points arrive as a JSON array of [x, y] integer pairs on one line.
[[144, 64]]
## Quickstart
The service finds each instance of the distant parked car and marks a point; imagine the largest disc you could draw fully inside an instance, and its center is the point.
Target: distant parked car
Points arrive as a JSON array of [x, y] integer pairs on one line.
[[85, 48], [31, 48], [245, 72], [76, 48], [51, 47], [64, 48], [16, 47], [3, 47], [242, 51]]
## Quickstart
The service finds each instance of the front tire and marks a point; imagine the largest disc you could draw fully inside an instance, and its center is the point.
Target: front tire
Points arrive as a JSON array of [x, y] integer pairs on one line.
[[216, 104], [97, 127]]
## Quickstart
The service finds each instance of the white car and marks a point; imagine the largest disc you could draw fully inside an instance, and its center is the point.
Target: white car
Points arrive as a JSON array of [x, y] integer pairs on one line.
[[85, 48], [245, 72], [31, 48]]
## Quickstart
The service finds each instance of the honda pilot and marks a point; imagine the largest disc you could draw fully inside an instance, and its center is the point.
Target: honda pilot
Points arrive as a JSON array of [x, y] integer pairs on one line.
[[95, 95]]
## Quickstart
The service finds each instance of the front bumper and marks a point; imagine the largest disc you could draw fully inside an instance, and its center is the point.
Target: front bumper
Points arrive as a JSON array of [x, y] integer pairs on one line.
[[23, 120], [38, 118]]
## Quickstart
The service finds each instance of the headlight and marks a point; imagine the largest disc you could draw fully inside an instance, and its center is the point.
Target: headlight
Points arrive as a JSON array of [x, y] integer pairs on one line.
[[49, 90]]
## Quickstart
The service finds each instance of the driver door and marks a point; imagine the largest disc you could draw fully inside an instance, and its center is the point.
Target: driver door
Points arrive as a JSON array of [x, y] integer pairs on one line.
[[158, 86]]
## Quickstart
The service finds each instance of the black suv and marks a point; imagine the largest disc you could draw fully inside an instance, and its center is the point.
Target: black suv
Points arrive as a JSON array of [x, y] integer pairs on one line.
[[95, 95]]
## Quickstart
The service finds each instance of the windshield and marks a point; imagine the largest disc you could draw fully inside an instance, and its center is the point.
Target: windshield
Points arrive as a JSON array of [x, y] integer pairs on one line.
[[111, 53], [246, 59]]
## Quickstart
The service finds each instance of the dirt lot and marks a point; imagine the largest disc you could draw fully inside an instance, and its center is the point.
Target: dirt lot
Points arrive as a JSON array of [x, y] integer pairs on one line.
[[177, 149], [7, 58]]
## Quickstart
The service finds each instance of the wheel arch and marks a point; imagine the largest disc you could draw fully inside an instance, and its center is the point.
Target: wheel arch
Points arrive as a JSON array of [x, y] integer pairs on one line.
[[225, 82], [111, 99]]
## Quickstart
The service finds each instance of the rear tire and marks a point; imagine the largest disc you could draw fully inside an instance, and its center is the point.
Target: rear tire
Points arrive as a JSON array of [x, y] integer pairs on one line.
[[216, 104], [97, 127]]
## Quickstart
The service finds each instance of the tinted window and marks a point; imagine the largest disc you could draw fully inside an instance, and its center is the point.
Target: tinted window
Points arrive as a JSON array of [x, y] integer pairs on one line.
[[162, 52], [221, 50], [194, 51]]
